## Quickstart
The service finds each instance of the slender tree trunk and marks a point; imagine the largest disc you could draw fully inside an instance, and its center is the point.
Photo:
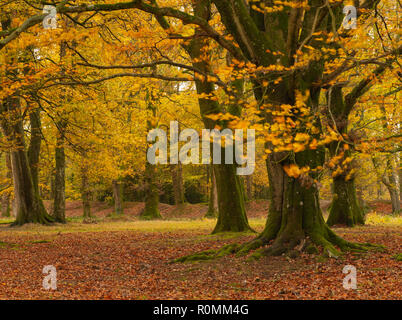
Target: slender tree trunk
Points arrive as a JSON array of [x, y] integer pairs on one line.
[[34, 146], [118, 197], [85, 193], [59, 186], [393, 188], [213, 196], [5, 205], [29, 205], [388, 178], [6, 198], [345, 208], [400, 178], [231, 205], [379, 189], [176, 171], [249, 186], [151, 210], [59, 190]]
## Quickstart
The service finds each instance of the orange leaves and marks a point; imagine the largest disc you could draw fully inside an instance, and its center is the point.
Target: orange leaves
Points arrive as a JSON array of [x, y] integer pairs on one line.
[[298, 147], [294, 171], [129, 260]]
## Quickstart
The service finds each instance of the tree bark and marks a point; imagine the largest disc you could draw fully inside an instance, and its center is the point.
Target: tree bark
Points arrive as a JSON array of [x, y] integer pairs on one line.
[[379, 189], [6, 198], [231, 205], [392, 187], [176, 171], [59, 187], [249, 186], [400, 178], [213, 196], [34, 146], [151, 210], [85, 193], [345, 208], [29, 205], [235, 211], [118, 197], [5, 205]]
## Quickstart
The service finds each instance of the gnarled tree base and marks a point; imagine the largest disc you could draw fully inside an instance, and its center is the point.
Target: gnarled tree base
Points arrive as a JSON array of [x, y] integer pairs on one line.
[[331, 247], [295, 226], [37, 214]]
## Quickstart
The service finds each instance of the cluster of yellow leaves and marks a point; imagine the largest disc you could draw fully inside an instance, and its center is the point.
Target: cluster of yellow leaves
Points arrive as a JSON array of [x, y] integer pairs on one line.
[[294, 171]]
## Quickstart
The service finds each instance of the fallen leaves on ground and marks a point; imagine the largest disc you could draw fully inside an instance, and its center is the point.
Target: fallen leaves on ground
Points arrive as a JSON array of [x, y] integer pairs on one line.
[[128, 260]]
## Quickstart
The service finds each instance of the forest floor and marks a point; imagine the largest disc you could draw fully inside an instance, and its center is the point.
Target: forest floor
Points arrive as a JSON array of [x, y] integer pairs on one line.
[[124, 258]]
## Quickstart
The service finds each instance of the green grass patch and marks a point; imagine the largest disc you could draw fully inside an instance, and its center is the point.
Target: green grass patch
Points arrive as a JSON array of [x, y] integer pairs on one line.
[[397, 257]]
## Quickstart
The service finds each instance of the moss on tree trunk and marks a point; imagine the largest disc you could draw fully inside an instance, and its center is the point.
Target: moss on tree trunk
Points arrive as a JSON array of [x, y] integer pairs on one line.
[[232, 214], [151, 210], [345, 208]]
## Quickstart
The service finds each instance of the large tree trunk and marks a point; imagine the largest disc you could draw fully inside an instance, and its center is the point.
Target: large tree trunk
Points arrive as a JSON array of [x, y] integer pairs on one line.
[[228, 211], [213, 196], [29, 205], [59, 186], [118, 197], [232, 212], [295, 220]]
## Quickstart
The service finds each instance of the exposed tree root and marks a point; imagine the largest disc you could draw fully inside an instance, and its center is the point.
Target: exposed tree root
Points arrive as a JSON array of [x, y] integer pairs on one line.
[[44, 219], [331, 246]]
